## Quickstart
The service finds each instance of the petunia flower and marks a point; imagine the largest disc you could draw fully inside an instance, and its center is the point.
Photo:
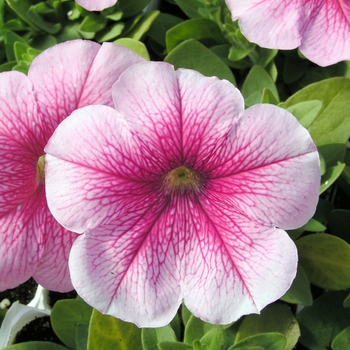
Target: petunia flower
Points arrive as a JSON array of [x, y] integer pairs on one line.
[[181, 195], [96, 5], [321, 29], [60, 80]]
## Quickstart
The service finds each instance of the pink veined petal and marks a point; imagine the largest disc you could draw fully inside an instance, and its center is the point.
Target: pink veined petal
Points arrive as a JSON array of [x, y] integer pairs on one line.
[[52, 269], [223, 268], [269, 169], [100, 152], [274, 24], [96, 5], [207, 114], [73, 74], [326, 35], [135, 262], [20, 120], [20, 242], [237, 266], [148, 96]]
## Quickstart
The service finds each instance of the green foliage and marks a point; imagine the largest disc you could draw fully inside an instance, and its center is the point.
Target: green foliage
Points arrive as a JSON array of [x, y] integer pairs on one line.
[[67, 317], [299, 292], [36, 345], [321, 322], [107, 332], [192, 54], [326, 260]]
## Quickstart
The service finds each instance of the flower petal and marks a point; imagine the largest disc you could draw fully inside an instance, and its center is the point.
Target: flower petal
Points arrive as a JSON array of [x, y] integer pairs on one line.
[[270, 23], [134, 261], [326, 35], [142, 267], [147, 95], [99, 152], [269, 169], [96, 5], [208, 112], [236, 266], [73, 74], [52, 269], [20, 242]]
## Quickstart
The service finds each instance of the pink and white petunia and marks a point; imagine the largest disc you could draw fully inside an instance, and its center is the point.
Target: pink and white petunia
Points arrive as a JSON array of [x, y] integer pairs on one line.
[[181, 195], [96, 5], [60, 80], [321, 29]]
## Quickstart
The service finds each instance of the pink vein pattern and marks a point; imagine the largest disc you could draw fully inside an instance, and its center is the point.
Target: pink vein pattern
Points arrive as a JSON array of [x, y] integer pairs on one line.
[[60, 80], [320, 28], [216, 241]]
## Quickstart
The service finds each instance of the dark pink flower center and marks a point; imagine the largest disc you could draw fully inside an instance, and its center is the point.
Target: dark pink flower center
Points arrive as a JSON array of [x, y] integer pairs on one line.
[[182, 179], [40, 170]]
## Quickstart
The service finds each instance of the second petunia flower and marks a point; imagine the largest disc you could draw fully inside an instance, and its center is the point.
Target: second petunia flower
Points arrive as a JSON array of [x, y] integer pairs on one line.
[[182, 195], [321, 29]]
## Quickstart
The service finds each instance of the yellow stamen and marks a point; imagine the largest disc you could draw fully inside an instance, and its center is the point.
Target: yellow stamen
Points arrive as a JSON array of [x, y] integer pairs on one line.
[[40, 169]]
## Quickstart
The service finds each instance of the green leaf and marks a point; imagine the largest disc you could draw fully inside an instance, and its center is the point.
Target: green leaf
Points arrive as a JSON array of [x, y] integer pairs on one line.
[[151, 337], [111, 32], [142, 25], [342, 340], [306, 112], [215, 339], [322, 321], [332, 124], [333, 153], [66, 315], [185, 314], [196, 328], [161, 25], [170, 345], [93, 23], [276, 318], [134, 45], [256, 81], [299, 292], [107, 332], [330, 176], [201, 29], [20, 49], [191, 7], [10, 39], [326, 260], [346, 302], [268, 97], [81, 335], [36, 345], [193, 55], [131, 7], [46, 26], [268, 341], [314, 226]]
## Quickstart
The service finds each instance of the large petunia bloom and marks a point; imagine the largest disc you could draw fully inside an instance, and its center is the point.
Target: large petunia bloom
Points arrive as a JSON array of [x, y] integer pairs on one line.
[[60, 80], [96, 5], [181, 195], [321, 29]]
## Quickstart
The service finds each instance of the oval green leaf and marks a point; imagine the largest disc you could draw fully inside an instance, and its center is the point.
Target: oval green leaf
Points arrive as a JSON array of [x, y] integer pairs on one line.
[[326, 260], [66, 315], [193, 55], [107, 332]]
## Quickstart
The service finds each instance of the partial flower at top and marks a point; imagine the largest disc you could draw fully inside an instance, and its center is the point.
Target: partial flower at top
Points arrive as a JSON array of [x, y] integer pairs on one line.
[[96, 5], [60, 80], [321, 29], [181, 195]]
